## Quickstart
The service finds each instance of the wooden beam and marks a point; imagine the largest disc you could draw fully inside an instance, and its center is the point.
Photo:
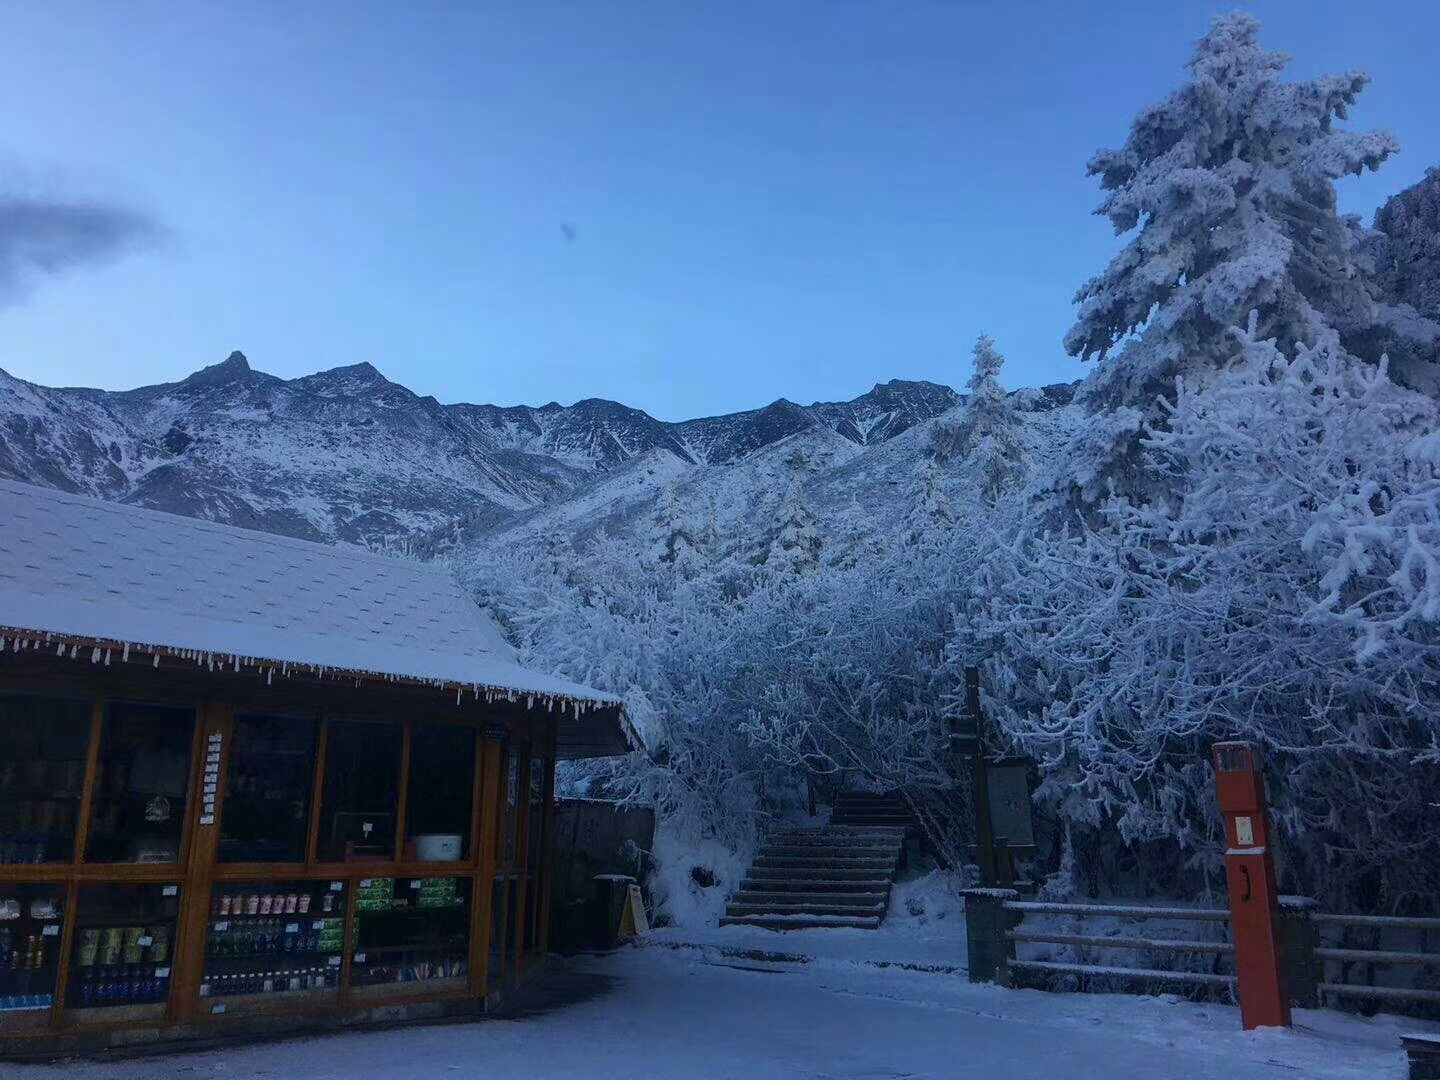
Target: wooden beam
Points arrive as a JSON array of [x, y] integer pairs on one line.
[[402, 798], [92, 765]]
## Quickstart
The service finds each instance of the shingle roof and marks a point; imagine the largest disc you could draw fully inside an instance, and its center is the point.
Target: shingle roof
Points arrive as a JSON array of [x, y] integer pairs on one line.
[[80, 567]]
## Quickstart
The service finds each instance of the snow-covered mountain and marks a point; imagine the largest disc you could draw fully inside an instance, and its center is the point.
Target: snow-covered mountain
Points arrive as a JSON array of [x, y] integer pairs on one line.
[[347, 455]]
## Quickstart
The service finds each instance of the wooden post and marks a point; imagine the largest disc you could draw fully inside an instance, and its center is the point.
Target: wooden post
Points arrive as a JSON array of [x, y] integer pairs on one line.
[[192, 925], [485, 882], [980, 784]]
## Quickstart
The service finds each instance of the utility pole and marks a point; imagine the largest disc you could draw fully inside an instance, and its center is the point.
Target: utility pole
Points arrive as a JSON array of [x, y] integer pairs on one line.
[[980, 784]]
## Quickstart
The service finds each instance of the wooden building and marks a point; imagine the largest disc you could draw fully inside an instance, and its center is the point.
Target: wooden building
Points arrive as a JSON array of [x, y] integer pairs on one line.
[[253, 783]]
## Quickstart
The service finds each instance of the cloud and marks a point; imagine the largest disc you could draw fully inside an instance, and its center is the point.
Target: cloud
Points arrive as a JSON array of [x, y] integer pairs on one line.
[[46, 237]]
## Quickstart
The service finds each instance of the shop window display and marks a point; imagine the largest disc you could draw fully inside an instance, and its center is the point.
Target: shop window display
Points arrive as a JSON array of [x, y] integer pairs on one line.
[[441, 789], [268, 789], [411, 930], [268, 938], [138, 808], [123, 947], [43, 748], [362, 786], [30, 917]]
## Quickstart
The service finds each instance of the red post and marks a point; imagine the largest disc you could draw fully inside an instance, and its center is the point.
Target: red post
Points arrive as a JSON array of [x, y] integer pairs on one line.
[[1250, 882]]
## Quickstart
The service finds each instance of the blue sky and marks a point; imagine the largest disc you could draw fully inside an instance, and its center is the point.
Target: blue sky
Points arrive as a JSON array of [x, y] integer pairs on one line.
[[794, 199]]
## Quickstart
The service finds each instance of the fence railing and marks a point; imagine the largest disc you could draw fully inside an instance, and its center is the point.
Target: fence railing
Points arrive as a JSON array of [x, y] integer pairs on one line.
[[1371, 958], [995, 920]]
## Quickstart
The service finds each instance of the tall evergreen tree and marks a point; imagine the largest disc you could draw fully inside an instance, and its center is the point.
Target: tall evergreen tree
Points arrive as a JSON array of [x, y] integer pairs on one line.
[[1228, 186]]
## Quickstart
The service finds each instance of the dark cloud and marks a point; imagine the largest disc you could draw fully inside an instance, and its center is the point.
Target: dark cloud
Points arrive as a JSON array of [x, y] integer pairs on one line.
[[44, 237]]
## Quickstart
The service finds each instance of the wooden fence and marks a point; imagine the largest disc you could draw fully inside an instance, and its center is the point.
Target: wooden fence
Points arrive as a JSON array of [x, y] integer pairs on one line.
[[1315, 974]]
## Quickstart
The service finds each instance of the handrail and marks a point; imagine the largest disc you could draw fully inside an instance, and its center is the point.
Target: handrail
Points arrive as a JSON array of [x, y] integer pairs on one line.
[[1378, 956], [1120, 942], [1119, 911], [1403, 922]]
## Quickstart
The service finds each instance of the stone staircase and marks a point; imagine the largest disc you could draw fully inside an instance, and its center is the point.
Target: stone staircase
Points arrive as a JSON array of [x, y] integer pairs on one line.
[[870, 808], [834, 875]]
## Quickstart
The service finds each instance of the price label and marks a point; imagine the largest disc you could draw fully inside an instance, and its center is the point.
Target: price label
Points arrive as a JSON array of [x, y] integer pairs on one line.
[[218, 1007], [334, 961], [222, 925], [292, 928], [415, 884], [337, 886], [145, 942], [170, 890], [318, 924], [359, 957], [162, 973], [364, 883], [53, 930], [207, 819]]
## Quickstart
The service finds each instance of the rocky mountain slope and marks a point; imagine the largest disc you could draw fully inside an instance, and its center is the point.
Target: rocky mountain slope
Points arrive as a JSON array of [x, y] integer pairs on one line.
[[347, 455]]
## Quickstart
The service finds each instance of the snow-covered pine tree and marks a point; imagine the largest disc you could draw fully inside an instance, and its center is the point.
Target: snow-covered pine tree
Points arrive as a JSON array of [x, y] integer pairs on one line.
[[794, 546], [1228, 185], [987, 434], [678, 541]]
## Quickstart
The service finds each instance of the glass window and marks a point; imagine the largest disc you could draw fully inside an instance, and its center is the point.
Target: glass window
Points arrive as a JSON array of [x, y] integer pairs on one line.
[[123, 947], [29, 938], [411, 930], [43, 745], [139, 803], [266, 815], [362, 786], [440, 793], [274, 937]]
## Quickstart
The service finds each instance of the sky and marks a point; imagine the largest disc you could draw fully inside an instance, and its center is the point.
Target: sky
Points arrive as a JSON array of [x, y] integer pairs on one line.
[[692, 208]]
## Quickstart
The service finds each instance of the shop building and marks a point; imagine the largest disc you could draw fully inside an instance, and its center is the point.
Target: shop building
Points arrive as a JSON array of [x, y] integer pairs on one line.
[[250, 783]]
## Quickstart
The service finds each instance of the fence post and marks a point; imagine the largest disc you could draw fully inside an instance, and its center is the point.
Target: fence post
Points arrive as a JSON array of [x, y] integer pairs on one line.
[[986, 922], [1299, 935]]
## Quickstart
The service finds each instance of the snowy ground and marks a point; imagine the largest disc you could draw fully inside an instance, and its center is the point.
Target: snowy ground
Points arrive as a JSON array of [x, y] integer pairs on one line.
[[669, 1014]]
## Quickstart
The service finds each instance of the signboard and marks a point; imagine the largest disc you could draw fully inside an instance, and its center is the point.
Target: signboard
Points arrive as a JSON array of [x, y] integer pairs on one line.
[[632, 918], [1009, 783]]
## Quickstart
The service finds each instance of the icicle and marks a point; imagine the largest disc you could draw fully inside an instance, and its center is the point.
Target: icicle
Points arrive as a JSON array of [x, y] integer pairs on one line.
[[269, 675], [237, 663], [125, 656], [107, 657], [95, 655], [529, 701], [74, 650], [458, 692], [157, 660]]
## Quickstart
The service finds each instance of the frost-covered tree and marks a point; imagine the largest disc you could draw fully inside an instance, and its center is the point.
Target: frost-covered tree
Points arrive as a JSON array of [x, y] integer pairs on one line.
[[793, 547], [986, 433], [1228, 188], [1287, 592], [679, 542]]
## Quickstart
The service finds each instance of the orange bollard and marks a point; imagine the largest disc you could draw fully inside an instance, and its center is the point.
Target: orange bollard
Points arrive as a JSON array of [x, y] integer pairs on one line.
[[1250, 883]]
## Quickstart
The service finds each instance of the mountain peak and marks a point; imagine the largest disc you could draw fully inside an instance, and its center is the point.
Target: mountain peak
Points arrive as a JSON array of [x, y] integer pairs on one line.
[[234, 367]]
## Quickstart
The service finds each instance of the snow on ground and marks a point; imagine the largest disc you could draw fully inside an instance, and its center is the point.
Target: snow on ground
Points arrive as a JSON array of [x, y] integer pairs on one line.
[[667, 1014]]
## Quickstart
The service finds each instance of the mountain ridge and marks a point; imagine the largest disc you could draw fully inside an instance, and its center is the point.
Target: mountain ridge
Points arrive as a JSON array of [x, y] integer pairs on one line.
[[346, 454]]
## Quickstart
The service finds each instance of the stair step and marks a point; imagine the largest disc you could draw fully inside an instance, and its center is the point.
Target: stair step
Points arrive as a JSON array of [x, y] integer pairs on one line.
[[752, 883], [779, 900], [848, 862], [819, 873], [802, 922], [833, 851], [805, 909]]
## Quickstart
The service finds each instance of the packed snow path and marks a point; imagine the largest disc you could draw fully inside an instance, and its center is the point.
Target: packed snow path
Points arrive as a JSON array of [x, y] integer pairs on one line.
[[669, 1016]]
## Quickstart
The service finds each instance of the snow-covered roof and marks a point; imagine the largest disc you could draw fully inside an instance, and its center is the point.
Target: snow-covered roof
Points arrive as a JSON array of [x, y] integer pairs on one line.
[[79, 568]]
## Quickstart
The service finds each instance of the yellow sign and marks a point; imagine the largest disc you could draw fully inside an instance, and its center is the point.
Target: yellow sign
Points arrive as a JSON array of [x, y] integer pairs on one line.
[[632, 918]]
